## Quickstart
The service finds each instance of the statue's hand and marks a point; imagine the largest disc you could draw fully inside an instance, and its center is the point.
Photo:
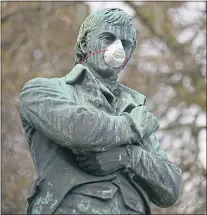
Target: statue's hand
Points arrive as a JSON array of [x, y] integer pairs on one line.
[[145, 122], [103, 163]]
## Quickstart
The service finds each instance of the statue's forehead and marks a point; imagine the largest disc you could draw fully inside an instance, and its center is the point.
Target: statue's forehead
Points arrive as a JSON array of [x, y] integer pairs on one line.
[[118, 30]]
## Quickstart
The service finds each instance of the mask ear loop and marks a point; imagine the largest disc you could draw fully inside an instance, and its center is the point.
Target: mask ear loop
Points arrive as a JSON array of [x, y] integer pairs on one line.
[[92, 54], [125, 62]]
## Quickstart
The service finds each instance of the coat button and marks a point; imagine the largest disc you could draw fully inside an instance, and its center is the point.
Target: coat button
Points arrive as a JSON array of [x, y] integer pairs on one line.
[[88, 87], [97, 103], [116, 92]]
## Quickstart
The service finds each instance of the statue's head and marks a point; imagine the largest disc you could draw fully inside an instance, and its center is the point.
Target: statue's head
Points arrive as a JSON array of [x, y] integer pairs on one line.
[[105, 30]]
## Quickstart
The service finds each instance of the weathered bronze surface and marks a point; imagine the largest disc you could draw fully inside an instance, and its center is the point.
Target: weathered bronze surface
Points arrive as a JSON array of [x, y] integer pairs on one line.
[[93, 139]]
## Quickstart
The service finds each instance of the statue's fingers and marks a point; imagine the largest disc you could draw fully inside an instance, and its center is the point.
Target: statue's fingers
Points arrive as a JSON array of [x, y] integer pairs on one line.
[[97, 172], [90, 168]]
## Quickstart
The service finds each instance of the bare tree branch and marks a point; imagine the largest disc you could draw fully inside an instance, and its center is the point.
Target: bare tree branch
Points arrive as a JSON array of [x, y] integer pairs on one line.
[[176, 48], [14, 10]]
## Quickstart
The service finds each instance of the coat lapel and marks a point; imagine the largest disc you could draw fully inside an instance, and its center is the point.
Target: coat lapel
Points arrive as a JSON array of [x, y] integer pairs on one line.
[[129, 99]]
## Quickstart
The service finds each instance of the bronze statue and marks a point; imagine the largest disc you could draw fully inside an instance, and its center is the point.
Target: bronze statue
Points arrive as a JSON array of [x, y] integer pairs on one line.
[[93, 139]]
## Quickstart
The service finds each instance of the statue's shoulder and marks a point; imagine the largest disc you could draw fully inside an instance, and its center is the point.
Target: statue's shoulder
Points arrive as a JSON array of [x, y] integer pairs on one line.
[[42, 81], [46, 81], [48, 84], [137, 96]]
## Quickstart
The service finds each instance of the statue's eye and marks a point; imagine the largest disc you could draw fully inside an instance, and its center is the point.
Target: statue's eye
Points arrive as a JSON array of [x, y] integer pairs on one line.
[[107, 38]]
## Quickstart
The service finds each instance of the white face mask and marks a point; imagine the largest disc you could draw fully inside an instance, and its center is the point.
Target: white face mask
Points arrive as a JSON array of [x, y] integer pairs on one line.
[[115, 54]]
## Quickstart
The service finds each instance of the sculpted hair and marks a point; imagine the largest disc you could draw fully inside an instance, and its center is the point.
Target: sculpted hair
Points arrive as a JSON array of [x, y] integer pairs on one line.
[[114, 16]]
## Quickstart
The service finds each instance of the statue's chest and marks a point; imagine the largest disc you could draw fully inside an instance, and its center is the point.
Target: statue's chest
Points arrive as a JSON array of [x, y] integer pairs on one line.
[[113, 103], [96, 99]]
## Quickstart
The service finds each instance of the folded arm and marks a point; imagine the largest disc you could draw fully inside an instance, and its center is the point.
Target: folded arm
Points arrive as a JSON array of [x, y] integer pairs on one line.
[[150, 168], [46, 107]]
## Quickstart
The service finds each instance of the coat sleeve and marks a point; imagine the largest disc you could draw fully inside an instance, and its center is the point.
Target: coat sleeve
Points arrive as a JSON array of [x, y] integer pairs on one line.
[[150, 168], [45, 107]]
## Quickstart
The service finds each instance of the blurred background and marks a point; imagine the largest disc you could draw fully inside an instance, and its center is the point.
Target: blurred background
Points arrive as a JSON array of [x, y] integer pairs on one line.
[[168, 66]]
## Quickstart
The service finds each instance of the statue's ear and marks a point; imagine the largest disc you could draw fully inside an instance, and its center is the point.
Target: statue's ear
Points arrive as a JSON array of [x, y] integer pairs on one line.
[[83, 45]]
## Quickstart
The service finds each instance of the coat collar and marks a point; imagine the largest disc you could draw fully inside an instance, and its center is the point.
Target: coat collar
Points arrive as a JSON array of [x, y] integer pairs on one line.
[[75, 73], [126, 93]]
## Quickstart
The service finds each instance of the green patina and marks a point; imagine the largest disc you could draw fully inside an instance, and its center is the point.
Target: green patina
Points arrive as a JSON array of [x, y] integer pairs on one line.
[[96, 135], [44, 200]]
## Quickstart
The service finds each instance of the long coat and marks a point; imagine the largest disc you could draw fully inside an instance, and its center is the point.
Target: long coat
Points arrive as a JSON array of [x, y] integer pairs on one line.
[[65, 116]]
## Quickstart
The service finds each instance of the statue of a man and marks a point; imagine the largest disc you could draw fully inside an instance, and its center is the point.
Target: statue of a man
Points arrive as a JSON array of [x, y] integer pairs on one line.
[[93, 139]]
